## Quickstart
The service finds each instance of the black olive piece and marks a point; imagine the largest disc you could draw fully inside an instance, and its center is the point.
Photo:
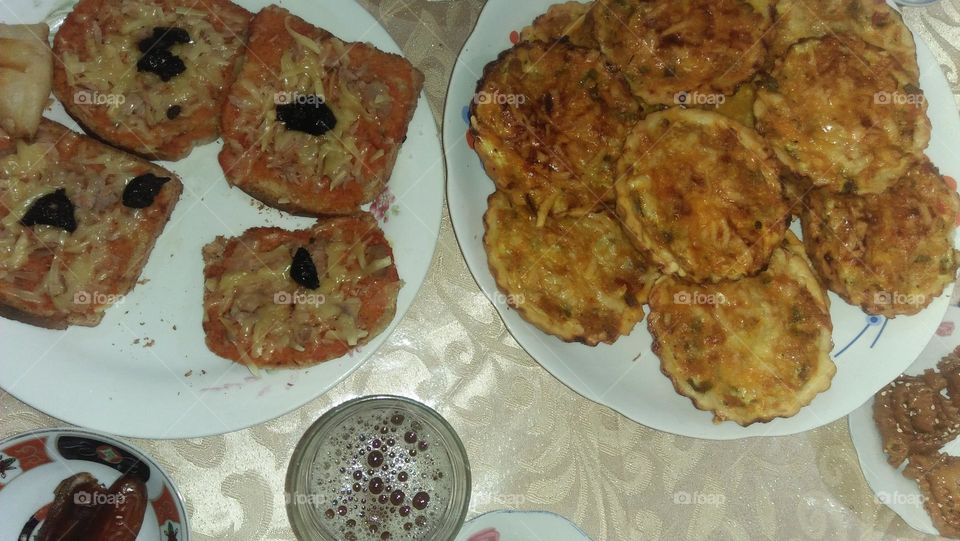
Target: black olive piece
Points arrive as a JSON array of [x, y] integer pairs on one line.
[[174, 111], [164, 37], [54, 209], [163, 63], [142, 190], [303, 270], [308, 116]]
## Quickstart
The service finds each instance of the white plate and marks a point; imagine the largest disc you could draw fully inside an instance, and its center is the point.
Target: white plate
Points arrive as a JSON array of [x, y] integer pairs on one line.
[[869, 351], [100, 378], [889, 486], [520, 526], [36, 462]]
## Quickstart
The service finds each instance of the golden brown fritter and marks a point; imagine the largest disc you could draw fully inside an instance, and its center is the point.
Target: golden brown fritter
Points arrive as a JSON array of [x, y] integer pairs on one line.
[[889, 253], [666, 47], [843, 113], [549, 121], [748, 350], [577, 278], [700, 195], [873, 21], [572, 20]]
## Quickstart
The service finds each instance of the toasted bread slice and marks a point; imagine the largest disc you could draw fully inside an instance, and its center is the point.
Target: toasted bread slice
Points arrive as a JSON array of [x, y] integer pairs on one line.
[[286, 299], [26, 72], [78, 220], [149, 76], [313, 124]]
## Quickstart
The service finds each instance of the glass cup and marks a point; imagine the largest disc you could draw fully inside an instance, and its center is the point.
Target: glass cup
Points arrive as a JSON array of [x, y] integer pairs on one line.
[[377, 468]]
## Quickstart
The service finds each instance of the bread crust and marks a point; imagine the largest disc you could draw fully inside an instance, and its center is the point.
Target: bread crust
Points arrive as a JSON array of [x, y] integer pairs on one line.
[[372, 94], [100, 86], [63, 278], [256, 313]]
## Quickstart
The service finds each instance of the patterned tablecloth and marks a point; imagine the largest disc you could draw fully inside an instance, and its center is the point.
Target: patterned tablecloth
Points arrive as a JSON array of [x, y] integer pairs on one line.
[[534, 443]]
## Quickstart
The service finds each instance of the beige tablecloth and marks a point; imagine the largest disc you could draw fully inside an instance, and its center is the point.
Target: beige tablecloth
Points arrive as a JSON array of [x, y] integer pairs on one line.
[[534, 443]]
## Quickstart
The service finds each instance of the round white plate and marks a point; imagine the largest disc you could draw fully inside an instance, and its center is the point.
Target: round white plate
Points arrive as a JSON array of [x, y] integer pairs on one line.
[[520, 526], [145, 370], [869, 351], [33, 464], [889, 486]]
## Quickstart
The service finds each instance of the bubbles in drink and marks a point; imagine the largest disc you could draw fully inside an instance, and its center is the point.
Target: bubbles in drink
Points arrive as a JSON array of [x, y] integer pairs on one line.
[[375, 486]]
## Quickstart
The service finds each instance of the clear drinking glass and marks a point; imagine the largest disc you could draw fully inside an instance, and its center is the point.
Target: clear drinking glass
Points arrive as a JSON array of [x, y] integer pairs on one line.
[[376, 468]]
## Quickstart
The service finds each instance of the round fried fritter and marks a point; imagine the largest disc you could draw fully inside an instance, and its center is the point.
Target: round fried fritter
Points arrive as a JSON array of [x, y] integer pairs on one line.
[[889, 253], [549, 121], [873, 21], [667, 47], [577, 278], [572, 20], [700, 194], [748, 350], [843, 113]]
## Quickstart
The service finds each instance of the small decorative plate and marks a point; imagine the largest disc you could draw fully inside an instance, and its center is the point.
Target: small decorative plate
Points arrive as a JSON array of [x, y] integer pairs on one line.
[[520, 526], [33, 464]]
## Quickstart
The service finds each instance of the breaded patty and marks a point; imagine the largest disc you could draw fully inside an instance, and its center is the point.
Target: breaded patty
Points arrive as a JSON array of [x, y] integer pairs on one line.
[[666, 47], [314, 124], [549, 121], [843, 113], [572, 20], [699, 193], [149, 76], [287, 299], [78, 220], [889, 253], [577, 278], [747, 350], [873, 21]]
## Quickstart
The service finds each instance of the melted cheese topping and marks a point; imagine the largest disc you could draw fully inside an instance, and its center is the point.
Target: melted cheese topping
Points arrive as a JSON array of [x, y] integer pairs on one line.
[[313, 67], [701, 194], [102, 69], [576, 278], [694, 46], [549, 121], [49, 271], [748, 350], [889, 253], [844, 114], [873, 21], [265, 314]]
